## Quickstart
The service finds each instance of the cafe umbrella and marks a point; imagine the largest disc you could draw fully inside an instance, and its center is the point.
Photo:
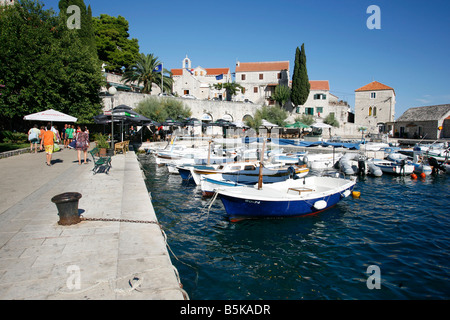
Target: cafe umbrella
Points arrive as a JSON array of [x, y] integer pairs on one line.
[[124, 115], [50, 116]]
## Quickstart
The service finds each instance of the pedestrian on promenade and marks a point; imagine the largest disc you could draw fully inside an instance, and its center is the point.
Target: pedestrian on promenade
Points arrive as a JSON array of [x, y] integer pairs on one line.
[[69, 132], [63, 135], [56, 132], [33, 137], [41, 135], [82, 144], [47, 142]]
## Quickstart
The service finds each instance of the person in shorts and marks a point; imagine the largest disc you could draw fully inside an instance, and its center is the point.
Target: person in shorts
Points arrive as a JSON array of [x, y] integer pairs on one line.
[[33, 137], [47, 142]]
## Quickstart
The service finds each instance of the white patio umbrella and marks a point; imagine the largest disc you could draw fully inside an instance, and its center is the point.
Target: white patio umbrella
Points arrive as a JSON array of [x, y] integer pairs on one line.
[[50, 115], [320, 125], [268, 124]]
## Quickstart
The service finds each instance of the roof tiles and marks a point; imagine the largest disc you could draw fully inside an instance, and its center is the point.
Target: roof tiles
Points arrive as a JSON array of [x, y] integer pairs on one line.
[[262, 66], [374, 86]]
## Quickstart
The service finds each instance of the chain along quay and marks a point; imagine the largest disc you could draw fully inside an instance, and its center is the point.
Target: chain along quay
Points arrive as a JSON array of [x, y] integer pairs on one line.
[[383, 237]]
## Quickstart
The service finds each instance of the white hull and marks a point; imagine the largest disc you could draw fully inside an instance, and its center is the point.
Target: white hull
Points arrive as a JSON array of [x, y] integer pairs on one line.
[[391, 167], [321, 161]]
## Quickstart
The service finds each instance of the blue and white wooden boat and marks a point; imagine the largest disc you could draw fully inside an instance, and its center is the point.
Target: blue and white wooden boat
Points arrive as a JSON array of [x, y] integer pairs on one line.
[[290, 198], [210, 182], [248, 172], [187, 171]]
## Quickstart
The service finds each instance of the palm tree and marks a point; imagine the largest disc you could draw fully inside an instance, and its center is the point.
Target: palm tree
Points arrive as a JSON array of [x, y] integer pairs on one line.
[[144, 71], [230, 88]]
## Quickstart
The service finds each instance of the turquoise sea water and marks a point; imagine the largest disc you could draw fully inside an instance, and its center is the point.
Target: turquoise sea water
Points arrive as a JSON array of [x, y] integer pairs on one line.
[[398, 224]]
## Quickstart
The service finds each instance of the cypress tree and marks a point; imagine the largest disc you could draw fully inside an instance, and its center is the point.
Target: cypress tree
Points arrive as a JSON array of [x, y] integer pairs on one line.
[[86, 33], [300, 81]]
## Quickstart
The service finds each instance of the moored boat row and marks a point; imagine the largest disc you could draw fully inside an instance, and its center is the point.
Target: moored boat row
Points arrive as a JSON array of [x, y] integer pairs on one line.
[[277, 184]]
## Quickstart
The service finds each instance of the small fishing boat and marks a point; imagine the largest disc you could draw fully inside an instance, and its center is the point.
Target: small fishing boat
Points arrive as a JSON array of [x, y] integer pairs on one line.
[[186, 171], [420, 165], [321, 161], [290, 198], [247, 171], [392, 167], [210, 182], [287, 158]]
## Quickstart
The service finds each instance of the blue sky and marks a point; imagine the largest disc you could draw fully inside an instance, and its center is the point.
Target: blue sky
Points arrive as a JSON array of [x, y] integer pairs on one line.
[[409, 53]]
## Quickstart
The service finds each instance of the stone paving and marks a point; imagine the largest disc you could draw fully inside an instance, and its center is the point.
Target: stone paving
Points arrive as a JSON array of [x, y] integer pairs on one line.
[[111, 260]]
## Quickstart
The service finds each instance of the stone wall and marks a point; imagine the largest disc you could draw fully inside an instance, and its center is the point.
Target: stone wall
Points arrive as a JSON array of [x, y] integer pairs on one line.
[[229, 110], [215, 109]]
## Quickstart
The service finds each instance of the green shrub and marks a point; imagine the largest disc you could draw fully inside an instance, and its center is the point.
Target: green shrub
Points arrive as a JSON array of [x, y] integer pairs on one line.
[[14, 137]]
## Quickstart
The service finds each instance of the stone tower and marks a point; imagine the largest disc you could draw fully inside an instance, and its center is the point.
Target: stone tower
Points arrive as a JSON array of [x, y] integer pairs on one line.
[[375, 107]]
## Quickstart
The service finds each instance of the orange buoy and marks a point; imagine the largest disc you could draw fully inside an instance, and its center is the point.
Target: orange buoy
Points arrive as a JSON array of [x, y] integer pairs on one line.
[[423, 175], [356, 194], [414, 176]]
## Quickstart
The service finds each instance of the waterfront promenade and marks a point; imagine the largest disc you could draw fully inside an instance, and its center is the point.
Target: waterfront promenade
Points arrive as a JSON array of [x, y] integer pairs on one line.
[[111, 260]]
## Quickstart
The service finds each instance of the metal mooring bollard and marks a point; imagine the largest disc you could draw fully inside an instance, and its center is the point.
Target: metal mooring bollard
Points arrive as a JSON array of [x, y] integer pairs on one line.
[[67, 204]]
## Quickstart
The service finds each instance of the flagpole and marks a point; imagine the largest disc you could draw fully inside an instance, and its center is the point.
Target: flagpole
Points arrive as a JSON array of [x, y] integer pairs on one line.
[[162, 79]]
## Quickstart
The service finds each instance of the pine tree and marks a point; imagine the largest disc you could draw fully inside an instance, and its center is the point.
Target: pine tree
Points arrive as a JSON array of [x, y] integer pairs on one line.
[[300, 81]]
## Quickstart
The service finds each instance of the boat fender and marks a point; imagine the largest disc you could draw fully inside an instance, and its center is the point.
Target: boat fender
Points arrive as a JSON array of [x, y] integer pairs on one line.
[[414, 176], [356, 194], [305, 160], [346, 193], [320, 205]]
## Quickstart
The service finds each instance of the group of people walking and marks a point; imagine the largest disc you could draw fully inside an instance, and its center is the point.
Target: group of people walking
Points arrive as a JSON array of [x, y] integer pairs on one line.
[[49, 138]]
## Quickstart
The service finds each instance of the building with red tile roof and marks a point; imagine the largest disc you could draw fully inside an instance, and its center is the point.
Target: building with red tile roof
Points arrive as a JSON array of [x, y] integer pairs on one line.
[[374, 86], [375, 107], [199, 82], [259, 80]]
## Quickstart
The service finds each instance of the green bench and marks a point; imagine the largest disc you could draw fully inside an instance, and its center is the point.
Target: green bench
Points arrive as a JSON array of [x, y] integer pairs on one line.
[[100, 161]]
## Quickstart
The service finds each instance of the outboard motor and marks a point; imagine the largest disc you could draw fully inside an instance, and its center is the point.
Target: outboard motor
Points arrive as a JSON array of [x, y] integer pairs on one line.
[[435, 165], [291, 171], [361, 167]]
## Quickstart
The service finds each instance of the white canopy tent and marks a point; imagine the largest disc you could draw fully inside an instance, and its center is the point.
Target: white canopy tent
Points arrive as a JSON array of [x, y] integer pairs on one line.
[[321, 125], [51, 116]]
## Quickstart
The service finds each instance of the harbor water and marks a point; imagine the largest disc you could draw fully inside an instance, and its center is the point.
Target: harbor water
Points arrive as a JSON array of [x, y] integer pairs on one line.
[[391, 243]]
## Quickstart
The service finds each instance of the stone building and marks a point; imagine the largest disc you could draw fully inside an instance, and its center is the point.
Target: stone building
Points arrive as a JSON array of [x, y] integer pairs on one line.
[[430, 122], [321, 102], [199, 82], [259, 80], [375, 107]]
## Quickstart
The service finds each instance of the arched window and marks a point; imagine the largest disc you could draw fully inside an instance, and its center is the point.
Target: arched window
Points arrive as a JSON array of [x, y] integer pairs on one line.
[[370, 111], [374, 111]]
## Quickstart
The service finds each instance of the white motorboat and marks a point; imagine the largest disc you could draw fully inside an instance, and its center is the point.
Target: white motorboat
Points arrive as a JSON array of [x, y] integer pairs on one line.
[[321, 161], [392, 167]]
